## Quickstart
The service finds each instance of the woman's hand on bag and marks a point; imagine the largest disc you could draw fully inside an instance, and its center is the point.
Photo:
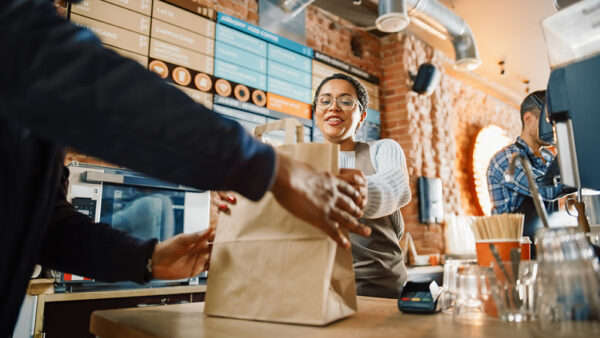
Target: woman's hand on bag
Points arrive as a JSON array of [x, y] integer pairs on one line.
[[222, 200], [319, 198], [182, 256], [357, 179]]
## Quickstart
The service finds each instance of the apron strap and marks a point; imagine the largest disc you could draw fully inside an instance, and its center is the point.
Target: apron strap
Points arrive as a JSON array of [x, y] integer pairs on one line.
[[531, 221]]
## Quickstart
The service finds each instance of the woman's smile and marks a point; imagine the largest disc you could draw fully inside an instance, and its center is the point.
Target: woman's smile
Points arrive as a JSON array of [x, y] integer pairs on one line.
[[334, 120]]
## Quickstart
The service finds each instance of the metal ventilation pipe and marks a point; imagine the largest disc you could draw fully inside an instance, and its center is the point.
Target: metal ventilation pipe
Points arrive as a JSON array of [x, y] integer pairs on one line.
[[293, 7], [392, 16], [441, 19], [560, 4]]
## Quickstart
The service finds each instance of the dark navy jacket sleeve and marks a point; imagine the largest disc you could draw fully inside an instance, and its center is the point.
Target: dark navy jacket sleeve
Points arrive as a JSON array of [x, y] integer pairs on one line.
[[63, 85], [75, 244]]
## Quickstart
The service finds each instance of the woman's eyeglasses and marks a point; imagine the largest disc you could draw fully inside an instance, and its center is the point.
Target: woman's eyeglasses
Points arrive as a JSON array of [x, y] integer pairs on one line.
[[344, 102]]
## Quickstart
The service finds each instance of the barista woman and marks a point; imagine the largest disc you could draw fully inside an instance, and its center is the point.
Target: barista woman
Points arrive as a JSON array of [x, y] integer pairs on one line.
[[340, 107]]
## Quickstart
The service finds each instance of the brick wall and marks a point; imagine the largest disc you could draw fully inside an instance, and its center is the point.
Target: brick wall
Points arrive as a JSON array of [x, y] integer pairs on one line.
[[341, 39], [420, 125], [73, 155], [436, 132], [474, 110], [246, 10]]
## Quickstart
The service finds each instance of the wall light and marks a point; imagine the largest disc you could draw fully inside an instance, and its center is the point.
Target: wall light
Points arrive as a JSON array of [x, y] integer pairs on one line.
[[488, 142]]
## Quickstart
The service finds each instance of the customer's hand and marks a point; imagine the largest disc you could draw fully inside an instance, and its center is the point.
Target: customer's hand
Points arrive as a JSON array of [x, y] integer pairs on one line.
[[319, 198], [357, 179], [182, 256]]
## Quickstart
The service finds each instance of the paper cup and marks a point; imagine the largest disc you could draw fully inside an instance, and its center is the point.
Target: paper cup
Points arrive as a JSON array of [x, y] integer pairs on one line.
[[525, 248], [484, 254]]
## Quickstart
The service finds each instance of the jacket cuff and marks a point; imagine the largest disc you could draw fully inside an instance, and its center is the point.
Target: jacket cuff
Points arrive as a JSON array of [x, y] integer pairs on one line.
[[148, 273], [133, 262]]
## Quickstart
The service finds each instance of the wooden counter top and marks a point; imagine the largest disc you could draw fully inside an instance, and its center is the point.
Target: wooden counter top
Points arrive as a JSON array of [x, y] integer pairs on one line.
[[169, 290], [376, 317]]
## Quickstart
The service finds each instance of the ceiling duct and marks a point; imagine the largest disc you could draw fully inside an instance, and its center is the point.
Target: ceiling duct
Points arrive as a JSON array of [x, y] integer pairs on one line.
[[560, 4], [392, 16], [293, 7], [431, 15]]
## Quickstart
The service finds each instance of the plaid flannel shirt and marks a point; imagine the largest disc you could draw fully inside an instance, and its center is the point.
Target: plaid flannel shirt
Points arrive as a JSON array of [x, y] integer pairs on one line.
[[508, 196]]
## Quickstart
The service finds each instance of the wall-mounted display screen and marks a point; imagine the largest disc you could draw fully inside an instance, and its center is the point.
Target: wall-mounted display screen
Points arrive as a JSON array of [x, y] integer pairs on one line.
[[216, 57]]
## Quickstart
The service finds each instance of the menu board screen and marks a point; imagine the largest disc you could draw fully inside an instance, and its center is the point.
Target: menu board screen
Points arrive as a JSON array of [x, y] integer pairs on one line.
[[231, 65], [173, 42]]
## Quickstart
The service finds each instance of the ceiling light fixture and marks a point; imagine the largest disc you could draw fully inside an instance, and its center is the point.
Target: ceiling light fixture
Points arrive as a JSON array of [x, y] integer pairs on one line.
[[526, 83]]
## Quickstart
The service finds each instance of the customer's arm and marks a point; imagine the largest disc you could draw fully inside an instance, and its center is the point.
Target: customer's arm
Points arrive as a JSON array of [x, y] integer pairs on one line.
[[75, 244], [67, 88]]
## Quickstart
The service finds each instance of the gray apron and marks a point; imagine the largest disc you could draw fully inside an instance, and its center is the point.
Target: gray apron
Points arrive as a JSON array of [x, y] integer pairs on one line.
[[378, 260]]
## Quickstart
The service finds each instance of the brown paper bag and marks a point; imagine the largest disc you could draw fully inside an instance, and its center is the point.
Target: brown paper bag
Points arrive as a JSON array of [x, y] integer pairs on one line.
[[269, 265]]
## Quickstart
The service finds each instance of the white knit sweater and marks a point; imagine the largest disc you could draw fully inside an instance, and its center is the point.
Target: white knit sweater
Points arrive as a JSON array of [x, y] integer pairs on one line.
[[388, 188]]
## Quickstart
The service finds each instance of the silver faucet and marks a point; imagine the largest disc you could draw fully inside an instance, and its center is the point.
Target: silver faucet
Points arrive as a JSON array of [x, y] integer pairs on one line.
[[535, 194]]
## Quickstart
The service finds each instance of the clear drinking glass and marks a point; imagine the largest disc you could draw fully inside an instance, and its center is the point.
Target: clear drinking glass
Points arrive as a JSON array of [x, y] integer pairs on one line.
[[469, 307], [506, 293], [449, 284], [569, 284], [452, 267], [527, 288], [594, 237], [485, 291]]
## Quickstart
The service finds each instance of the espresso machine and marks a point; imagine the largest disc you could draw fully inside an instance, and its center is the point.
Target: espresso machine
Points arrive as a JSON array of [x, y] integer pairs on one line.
[[573, 41]]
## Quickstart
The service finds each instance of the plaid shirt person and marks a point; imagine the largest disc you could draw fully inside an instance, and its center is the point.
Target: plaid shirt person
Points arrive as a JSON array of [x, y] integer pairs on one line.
[[507, 196]]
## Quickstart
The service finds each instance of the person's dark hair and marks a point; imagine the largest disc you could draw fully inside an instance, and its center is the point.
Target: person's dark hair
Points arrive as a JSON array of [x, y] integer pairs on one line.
[[534, 103], [361, 91]]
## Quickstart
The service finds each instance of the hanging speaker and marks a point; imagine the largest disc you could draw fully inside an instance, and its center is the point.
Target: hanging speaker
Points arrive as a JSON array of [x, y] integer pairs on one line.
[[426, 80]]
